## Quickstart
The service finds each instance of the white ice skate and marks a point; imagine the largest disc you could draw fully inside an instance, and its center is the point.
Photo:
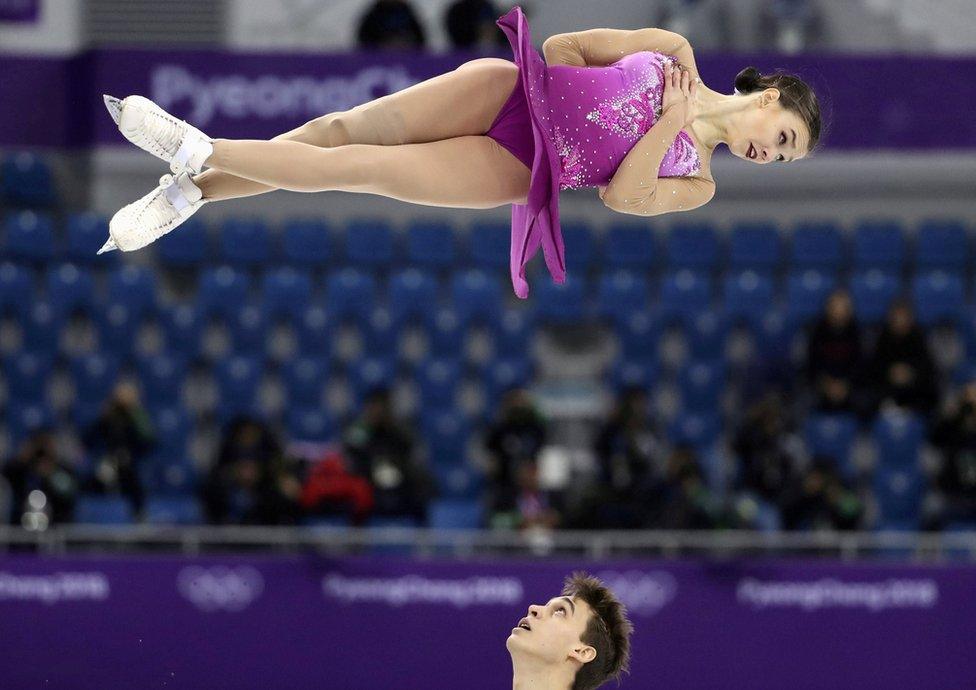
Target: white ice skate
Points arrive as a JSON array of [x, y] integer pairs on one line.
[[159, 212], [152, 129]]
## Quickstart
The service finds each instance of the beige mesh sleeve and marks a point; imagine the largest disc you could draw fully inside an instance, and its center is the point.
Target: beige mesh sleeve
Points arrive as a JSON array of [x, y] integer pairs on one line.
[[599, 47]]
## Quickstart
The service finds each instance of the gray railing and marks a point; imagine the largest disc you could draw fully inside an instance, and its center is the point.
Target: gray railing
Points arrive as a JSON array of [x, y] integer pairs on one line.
[[464, 543]]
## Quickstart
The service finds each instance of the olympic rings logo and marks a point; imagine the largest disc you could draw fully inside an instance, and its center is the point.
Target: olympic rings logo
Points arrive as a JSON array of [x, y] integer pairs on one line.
[[220, 588]]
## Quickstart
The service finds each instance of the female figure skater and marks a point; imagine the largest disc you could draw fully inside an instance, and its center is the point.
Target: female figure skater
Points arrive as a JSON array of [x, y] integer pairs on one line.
[[623, 111]]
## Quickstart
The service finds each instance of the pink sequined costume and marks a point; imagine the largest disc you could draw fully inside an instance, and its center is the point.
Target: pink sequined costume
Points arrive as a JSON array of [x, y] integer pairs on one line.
[[572, 126]]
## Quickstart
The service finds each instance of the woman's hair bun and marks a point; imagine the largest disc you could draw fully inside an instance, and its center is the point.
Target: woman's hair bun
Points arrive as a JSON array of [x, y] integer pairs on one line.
[[747, 80]]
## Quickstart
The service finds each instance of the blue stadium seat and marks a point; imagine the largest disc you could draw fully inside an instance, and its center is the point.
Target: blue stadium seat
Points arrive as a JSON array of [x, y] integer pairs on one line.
[[87, 233], [631, 246], [304, 379], [628, 373], [445, 332], [879, 244], [350, 295], [42, 328], [248, 329], [639, 336], [26, 181], [183, 326], [806, 292], [307, 242], [16, 288], [872, 292], [172, 427], [693, 246], [580, 247], [115, 325], [94, 377], [27, 375], [29, 237], [832, 436], [70, 289], [756, 246], [245, 242], [310, 423], [314, 332], [503, 375], [438, 380], [561, 303], [238, 383], [817, 245], [24, 418], [455, 514], [286, 292], [899, 493], [706, 334], [702, 385], [748, 296], [431, 244], [699, 430], [898, 437], [186, 247], [488, 244], [369, 243], [477, 296], [684, 293], [622, 293], [942, 245], [514, 332], [103, 510], [458, 481], [380, 335], [368, 374], [411, 293], [446, 432], [222, 290], [134, 286], [162, 378], [938, 297], [171, 478], [173, 510]]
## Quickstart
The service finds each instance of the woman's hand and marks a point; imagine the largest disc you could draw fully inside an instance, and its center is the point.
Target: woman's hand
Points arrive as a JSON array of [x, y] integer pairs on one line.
[[680, 93]]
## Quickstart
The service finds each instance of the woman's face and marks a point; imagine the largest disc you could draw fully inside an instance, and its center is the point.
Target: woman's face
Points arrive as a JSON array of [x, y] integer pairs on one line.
[[769, 133]]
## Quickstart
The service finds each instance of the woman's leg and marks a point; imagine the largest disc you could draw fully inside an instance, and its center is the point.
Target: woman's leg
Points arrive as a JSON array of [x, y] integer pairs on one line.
[[459, 103], [463, 172]]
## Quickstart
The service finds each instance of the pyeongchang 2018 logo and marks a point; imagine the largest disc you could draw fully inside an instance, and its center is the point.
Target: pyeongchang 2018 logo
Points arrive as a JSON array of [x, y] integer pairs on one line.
[[643, 593], [220, 588], [269, 96]]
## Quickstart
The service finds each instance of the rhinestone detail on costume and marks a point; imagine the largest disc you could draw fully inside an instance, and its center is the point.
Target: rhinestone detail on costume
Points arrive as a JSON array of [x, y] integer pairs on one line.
[[570, 161]]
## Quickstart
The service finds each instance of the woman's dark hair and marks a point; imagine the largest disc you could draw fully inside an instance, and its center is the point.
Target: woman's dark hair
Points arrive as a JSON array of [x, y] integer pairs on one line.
[[794, 94]]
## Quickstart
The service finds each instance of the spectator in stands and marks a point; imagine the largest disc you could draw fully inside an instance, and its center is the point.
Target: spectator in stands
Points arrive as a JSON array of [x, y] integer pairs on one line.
[[515, 438], [331, 489], [688, 502], [251, 482], [766, 448], [471, 25], [117, 442], [629, 456], [381, 449], [534, 508], [391, 25], [834, 358], [954, 434], [903, 371], [37, 467], [821, 500]]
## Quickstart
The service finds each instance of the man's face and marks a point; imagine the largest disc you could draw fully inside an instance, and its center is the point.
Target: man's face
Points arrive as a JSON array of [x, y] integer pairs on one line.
[[551, 633]]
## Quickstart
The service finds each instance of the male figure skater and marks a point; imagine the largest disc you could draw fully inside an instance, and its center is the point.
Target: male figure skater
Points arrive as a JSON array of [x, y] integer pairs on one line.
[[577, 641]]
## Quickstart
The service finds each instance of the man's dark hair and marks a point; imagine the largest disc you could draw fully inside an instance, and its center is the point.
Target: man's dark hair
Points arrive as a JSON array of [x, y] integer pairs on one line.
[[608, 631]]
